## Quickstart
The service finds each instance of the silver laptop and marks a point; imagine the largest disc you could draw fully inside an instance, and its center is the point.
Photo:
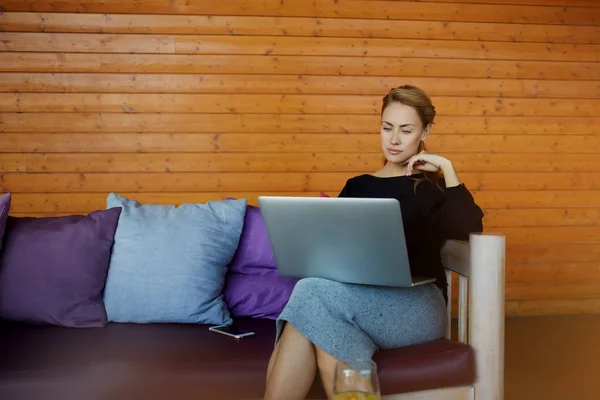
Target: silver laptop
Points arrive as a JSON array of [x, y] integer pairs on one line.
[[352, 240]]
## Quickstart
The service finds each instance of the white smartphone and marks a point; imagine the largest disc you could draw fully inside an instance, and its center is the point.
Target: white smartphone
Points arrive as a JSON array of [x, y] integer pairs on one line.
[[230, 330]]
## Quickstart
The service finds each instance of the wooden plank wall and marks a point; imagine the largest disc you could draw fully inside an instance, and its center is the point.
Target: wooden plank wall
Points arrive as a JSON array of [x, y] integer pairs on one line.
[[192, 100]]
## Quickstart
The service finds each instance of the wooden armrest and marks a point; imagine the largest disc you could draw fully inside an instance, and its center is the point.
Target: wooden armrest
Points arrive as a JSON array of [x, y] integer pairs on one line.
[[486, 312], [486, 253], [456, 256]]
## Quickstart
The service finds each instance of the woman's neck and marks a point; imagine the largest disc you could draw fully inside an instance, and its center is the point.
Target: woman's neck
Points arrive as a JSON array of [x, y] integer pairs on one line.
[[390, 170]]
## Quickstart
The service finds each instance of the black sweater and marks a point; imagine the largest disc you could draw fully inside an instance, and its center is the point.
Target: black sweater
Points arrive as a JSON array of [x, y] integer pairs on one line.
[[430, 215]]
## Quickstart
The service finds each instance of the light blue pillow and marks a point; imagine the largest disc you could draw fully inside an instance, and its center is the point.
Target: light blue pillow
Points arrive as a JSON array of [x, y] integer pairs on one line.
[[168, 263]]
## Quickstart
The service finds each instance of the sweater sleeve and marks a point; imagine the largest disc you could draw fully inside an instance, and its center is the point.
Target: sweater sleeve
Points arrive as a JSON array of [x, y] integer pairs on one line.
[[459, 215], [345, 190]]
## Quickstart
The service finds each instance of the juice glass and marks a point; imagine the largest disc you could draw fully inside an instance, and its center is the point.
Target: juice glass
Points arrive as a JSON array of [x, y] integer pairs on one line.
[[356, 380]]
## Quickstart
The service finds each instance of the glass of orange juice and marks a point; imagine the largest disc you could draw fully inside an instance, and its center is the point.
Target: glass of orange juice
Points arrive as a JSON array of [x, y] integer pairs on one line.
[[356, 380]]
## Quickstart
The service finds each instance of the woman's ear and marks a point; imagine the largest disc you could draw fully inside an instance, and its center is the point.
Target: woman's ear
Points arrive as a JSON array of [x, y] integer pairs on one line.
[[426, 132]]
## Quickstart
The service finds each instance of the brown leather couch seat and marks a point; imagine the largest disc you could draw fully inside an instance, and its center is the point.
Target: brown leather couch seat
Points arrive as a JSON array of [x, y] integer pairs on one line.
[[185, 361]]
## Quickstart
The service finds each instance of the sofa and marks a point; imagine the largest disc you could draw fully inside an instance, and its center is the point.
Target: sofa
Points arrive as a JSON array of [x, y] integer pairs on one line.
[[133, 337]]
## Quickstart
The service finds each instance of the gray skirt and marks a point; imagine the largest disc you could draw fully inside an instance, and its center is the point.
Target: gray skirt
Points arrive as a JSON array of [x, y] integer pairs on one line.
[[353, 321]]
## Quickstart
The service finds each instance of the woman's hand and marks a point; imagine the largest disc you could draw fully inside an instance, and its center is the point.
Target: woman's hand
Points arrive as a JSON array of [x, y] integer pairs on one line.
[[427, 162], [432, 163]]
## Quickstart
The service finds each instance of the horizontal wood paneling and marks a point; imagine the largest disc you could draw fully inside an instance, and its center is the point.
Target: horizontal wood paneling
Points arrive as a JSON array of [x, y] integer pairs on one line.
[[191, 162], [283, 104], [294, 46], [565, 3], [295, 65], [542, 290], [278, 123], [557, 307], [406, 10], [176, 101], [561, 253], [229, 156], [541, 153], [168, 182], [500, 218], [56, 202], [553, 235], [539, 199], [225, 181], [557, 289], [486, 199], [553, 272], [284, 84], [290, 26]]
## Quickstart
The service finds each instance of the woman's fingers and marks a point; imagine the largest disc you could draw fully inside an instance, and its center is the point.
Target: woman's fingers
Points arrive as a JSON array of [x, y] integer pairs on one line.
[[426, 167], [411, 163], [416, 158], [422, 162]]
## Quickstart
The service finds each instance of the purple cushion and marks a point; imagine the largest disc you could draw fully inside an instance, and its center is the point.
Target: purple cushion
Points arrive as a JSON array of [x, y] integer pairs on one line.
[[4, 209], [257, 296], [254, 255], [53, 270]]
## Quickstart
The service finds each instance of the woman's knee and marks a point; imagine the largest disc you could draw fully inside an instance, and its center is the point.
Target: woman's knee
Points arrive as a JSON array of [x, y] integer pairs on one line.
[[304, 287], [307, 283], [314, 285]]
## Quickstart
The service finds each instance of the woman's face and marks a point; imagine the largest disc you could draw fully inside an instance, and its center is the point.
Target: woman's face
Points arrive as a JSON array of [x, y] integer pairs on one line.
[[401, 132]]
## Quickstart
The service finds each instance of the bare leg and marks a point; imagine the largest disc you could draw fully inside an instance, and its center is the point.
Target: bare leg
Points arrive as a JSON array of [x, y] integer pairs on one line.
[[272, 359], [292, 368], [326, 363]]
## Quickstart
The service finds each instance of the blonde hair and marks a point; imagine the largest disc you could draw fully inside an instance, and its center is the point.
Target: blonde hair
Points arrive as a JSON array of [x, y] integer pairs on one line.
[[416, 98]]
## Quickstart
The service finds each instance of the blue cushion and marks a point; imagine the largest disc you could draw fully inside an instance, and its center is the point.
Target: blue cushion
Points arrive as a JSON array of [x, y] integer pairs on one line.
[[168, 263]]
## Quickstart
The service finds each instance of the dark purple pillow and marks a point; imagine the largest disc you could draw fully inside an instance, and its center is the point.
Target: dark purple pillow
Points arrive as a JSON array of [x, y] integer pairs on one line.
[[257, 296], [254, 255], [53, 270], [4, 209]]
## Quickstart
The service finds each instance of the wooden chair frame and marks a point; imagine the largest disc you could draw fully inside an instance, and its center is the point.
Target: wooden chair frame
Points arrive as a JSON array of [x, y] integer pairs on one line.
[[480, 265]]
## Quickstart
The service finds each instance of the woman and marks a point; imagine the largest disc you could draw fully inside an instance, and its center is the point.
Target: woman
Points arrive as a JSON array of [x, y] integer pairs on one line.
[[326, 321]]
